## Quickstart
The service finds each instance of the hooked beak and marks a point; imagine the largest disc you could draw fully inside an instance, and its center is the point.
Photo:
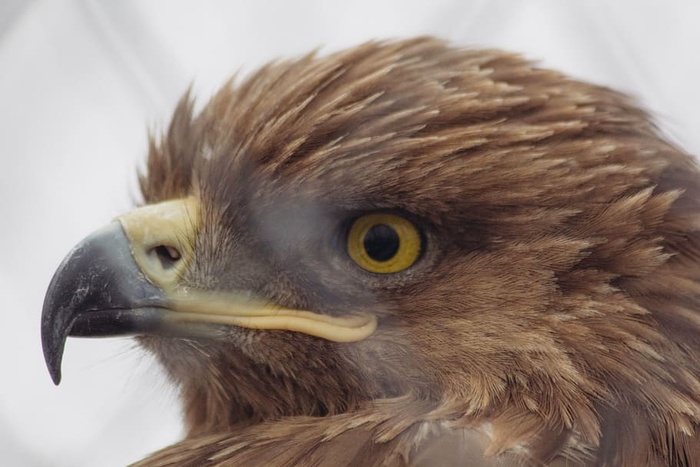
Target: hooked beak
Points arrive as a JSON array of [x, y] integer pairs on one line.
[[125, 279]]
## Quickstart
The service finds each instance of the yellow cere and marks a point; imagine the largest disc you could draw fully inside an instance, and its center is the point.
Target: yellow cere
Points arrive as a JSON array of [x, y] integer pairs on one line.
[[384, 243], [171, 225]]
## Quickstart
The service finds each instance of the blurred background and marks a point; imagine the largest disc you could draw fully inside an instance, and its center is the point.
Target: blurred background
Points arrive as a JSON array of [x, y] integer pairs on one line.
[[81, 82]]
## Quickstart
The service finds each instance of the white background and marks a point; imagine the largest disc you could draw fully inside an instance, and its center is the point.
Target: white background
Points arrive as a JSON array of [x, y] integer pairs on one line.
[[82, 80]]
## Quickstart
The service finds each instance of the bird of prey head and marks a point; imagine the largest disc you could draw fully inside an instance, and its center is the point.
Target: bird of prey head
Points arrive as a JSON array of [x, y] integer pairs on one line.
[[408, 253]]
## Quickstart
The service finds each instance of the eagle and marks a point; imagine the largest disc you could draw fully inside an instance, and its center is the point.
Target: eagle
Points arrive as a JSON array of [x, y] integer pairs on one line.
[[407, 253]]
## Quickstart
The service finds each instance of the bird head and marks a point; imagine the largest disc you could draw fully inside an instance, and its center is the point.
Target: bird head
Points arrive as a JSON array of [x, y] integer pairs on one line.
[[405, 219]]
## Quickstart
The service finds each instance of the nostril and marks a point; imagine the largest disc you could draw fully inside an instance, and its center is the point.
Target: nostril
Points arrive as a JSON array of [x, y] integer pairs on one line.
[[167, 255]]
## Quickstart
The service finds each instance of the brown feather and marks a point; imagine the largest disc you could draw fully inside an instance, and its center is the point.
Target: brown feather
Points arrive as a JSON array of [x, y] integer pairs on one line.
[[552, 319]]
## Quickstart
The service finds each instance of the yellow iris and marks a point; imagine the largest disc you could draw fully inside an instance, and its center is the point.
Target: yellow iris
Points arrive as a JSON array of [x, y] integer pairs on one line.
[[384, 243]]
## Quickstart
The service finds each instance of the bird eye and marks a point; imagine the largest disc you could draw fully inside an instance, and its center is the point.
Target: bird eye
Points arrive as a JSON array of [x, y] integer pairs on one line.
[[383, 243]]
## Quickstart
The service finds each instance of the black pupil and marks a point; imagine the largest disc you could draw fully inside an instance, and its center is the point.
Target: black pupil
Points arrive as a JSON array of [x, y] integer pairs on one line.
[[381, 242]]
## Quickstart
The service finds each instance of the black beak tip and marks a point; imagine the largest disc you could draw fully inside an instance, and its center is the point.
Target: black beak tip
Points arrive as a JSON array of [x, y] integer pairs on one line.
[[53, 356], [55, 373], [53, 342]]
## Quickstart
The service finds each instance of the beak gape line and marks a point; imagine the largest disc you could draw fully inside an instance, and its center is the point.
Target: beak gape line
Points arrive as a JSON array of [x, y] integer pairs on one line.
[[113, 283]]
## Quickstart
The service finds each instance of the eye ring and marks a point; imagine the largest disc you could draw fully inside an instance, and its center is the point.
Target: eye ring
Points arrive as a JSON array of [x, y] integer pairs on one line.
[[383, 243]]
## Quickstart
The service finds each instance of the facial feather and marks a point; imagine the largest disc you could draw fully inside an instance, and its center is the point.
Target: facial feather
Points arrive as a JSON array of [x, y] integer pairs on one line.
[[557, 290]]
